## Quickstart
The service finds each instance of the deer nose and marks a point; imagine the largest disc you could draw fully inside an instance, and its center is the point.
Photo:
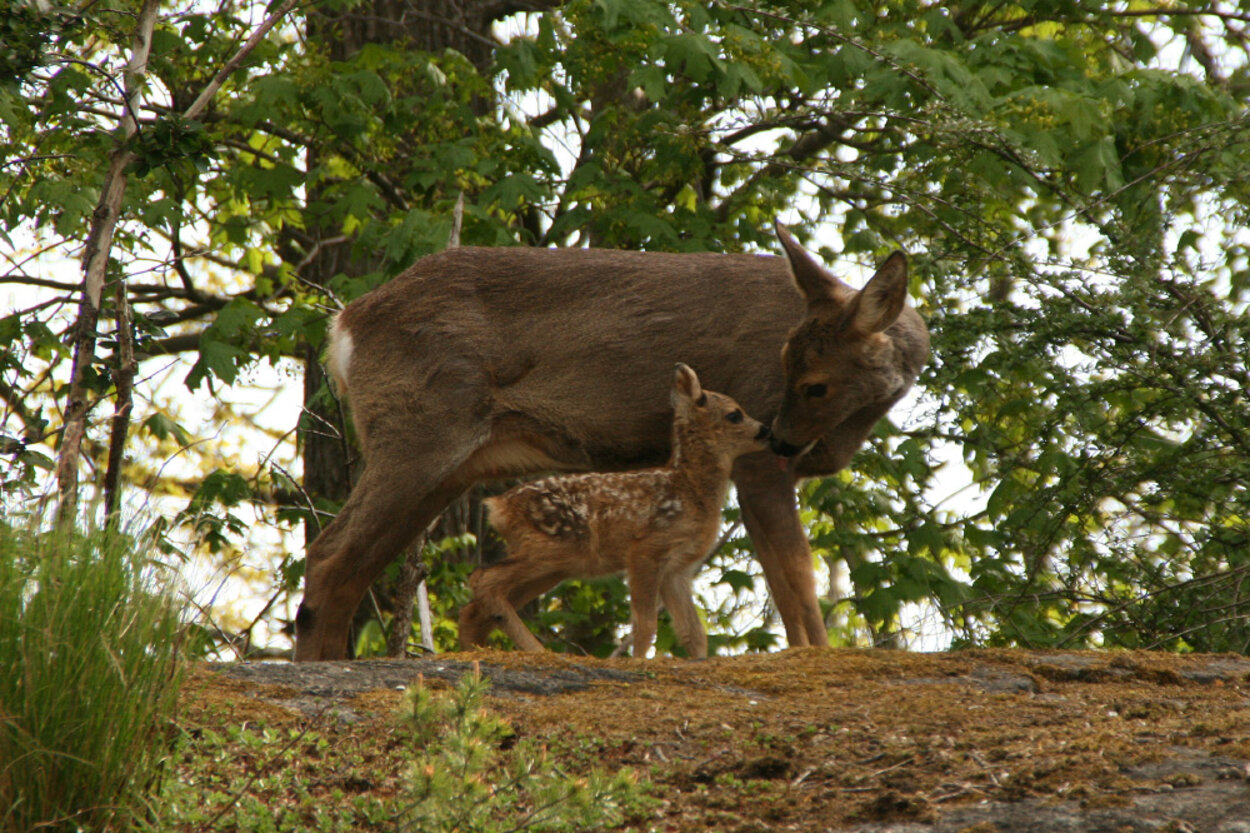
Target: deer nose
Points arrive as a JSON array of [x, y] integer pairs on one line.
[[764, 433], [785, 449]]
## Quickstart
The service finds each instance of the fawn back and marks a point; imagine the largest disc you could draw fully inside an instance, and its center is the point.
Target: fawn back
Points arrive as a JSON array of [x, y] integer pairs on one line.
[[655, 525]]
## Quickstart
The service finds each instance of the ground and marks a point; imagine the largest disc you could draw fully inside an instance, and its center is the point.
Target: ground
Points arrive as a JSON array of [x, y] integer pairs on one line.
[[809, 739]]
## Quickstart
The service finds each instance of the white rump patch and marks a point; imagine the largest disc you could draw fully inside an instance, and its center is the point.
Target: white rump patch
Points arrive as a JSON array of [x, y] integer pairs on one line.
[[339, 355]]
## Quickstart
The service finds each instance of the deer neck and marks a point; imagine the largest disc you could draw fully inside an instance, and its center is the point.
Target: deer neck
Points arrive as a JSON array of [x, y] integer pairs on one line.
[[700, 470]]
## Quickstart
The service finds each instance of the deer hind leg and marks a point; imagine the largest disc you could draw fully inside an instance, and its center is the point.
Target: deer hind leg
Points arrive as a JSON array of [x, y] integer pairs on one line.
[[678, 594], [771, 516], [497, 593], [400, 492]]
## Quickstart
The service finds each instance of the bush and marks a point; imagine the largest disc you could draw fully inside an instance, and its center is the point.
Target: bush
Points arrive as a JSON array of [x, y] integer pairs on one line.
[[89, 674]]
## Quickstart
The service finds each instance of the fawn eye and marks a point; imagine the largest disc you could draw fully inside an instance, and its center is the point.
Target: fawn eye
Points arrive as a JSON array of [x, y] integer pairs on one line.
[[817, 391], [734, 416]]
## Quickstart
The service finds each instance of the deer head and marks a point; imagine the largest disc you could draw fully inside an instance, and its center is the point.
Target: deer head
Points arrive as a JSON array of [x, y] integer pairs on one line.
[[839, 360]]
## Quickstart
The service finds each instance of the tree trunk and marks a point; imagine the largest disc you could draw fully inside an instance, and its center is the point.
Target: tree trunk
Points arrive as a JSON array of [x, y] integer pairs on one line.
[[124, 368]]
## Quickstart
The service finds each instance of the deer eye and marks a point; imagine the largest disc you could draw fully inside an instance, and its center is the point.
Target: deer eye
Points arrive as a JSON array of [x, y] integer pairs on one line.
[[816, 391], [734, 416]]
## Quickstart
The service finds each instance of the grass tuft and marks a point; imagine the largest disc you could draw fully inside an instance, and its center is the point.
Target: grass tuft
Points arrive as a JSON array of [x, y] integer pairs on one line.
[[89, 675]]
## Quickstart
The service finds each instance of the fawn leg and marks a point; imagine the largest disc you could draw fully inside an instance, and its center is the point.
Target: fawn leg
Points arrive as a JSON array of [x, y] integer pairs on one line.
[[475, 625], [644, 592], [678, 596], [498, 591]]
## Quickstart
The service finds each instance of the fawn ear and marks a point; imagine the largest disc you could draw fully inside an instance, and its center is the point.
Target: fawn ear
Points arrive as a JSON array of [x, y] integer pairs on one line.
[[879, 303], [686, 384], [811, 278]]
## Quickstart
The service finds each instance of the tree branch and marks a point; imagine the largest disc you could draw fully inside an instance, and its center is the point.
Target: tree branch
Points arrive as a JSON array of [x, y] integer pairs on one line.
[[104, 223], [95, 264]]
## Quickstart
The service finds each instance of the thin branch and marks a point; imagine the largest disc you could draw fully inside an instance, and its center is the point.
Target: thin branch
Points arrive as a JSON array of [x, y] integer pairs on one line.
[[206, 95], [31, 280]]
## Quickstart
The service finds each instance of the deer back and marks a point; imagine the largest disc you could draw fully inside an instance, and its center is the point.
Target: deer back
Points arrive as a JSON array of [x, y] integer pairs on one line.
[[571, 349], [562, 356]]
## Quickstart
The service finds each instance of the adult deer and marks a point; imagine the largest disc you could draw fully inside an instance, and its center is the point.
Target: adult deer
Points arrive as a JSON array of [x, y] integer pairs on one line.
[[656, 525], [485, 363]]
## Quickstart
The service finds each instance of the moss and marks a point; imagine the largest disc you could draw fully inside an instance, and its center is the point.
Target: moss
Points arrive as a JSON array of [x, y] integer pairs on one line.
[[822, 738]]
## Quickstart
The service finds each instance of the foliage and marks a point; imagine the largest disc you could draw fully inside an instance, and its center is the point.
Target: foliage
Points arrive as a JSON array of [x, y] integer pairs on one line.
[[1067, 178], [90, 643], [470, 774], [261, 778], [447, 576]]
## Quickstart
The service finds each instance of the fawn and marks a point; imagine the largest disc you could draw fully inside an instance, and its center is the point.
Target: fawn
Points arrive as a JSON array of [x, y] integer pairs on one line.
[[656, 525]]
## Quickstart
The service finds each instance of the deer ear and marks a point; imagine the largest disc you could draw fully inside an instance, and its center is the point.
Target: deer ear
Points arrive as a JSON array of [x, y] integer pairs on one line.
[[686, 383], [880, 302], [812, 279]]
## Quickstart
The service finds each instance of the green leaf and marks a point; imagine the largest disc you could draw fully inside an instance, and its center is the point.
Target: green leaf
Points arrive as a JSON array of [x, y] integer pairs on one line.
[[652, 78], [738, 580], [216, 360], [162, 427], [1098, 166], [694, 54]]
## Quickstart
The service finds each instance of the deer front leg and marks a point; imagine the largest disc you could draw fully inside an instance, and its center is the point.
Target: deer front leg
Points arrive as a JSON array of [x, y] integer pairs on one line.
[[771, 516], [644, 592], [678, 596]]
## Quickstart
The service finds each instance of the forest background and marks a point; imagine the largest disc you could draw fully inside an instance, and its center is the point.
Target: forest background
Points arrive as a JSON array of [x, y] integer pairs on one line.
[[188, 189]]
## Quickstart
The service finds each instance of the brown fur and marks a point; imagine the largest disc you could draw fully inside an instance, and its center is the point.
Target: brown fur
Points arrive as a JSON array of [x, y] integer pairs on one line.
[[655, 525], [478, 364]]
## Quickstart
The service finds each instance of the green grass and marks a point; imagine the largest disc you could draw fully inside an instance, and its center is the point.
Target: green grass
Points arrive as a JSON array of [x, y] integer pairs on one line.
[[89, 674]]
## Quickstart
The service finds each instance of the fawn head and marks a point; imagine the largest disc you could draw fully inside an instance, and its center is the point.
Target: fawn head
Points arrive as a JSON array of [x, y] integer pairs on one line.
[[840, 360], [712, 419]]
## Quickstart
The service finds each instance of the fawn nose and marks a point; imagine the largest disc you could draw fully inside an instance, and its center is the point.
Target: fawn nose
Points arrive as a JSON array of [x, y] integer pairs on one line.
[[764, 433]]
